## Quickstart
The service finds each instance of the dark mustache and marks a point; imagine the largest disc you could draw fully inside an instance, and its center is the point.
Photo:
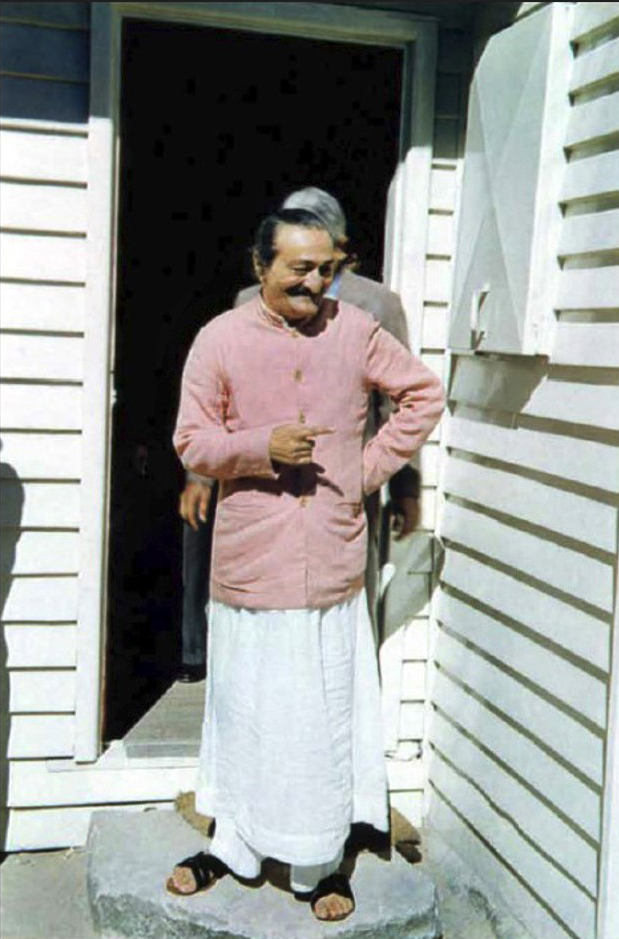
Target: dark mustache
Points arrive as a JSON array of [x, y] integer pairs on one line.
[[301, 292]]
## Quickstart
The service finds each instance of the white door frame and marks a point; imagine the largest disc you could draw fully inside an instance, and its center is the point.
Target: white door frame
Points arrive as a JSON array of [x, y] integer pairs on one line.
[[405, 246]]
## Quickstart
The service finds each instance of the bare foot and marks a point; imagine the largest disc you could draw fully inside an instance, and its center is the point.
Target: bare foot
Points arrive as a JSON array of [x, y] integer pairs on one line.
[[333, 907], [196, 874], [183, 880]]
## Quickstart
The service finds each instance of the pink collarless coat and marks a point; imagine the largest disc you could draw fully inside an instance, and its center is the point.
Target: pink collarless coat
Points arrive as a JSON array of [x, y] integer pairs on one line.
[[295, 537]]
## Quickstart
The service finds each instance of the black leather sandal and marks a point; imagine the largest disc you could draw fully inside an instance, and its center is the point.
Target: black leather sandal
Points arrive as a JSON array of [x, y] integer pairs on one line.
[[337, 884], [206, 869]]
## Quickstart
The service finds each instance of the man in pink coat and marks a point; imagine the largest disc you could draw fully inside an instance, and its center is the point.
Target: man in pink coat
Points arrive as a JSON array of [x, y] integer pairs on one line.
[[274, 402]]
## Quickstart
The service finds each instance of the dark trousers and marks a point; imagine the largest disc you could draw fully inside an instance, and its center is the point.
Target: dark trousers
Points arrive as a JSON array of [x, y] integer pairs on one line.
[[196, 574]]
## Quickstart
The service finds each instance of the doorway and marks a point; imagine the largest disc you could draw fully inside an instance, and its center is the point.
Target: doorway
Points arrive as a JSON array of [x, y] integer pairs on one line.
[[217, 126]]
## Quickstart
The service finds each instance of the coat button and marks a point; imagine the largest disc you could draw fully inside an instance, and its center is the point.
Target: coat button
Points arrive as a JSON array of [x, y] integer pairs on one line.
[[297, 374], [301, 417], [303, 501]]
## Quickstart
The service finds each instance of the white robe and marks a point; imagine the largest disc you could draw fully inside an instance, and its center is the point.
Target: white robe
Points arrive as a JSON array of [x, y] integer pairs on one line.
[[292, 749]]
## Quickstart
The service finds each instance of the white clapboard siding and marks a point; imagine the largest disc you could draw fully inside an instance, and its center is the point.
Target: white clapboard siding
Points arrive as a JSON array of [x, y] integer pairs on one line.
[[524, 759], [40, 735], [434, 330], [32, 829], [42, 552], [571, 572], [590, 17], [40, 646], [588, 289], [551, 725], [438, 281], [586, 234], [559, 893], [559, 621], [32, 784], [403, 775], [429, 464], [43, 456], [43, 257], [515, 803], [409, 804], [584, 461], [593, 121], [49, 358], [595, 176], [440, 234], [428, 509], [412, 720], [46, 157], [41, 407], [443, 190], [595, 344], [416, 640], [413, 681], [49, 505], [516, 894], [42, 307], [42, 208], [41, 600], [566, 513], [50, 691], [567, 683], [596, 66]]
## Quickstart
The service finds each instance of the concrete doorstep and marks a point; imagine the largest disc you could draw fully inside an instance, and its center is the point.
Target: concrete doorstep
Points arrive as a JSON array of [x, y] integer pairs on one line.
[[130, 856]]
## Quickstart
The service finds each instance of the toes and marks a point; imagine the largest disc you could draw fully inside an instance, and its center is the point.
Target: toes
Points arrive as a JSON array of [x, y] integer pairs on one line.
[[183, 880], [330, 907]]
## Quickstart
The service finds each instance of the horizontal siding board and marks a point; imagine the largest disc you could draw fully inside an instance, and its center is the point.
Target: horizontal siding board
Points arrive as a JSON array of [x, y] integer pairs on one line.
[[580, 691], [41, 407], [52, 53], [43, 308], [30, 829], [404, 775], [40, 552], [565, 513], [440, 235], [568, 902], [516, 387], [595, 66], [41, 100], [560, 622], [48, 692], [412, 720], [40, 646], [593, 120], [438, 281], [595, 232], [583, 461], [44, 157], [588, 289], [42, 456], [76, 15], [434, 329], [43, 208], [50, 358], [41, 735], [41, 600], [408, 804], [443, 190], [523, 757], [595, 176], [32, 785], [589, 17], [571, 572], [555, 729], [43, 257], [500, 883], [516, 804], [413, 681], [416, 640], [591, 344], [46, 505]]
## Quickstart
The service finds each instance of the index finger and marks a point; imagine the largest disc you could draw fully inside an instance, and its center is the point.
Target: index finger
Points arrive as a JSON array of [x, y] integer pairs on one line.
[[316, 431]]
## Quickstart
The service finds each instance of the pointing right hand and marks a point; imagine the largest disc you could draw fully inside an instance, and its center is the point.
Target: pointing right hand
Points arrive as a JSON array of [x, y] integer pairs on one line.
[[293, 444]]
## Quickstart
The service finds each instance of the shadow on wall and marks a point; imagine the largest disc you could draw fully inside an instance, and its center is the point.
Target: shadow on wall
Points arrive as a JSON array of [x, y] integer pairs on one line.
[[11, 507]]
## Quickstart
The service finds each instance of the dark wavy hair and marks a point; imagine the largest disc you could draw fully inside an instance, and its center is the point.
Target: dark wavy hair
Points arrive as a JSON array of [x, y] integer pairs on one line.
[[263, 249]]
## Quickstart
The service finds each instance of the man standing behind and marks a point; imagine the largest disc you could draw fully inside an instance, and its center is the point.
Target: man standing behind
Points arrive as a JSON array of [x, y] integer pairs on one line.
[[274, 403]]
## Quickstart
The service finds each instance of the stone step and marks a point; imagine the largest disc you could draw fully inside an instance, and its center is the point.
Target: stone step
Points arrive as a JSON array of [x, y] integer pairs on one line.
[[131, 854]]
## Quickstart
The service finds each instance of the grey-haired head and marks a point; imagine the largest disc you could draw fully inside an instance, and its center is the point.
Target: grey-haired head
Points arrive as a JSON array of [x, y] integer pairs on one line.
[[324, 206]]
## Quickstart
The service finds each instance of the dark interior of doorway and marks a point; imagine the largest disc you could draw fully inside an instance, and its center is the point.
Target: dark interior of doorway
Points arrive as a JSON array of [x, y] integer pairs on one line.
[[217, 127]]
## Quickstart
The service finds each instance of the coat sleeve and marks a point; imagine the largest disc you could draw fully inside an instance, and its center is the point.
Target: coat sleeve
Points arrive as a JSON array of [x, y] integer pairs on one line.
[[202, 440], [419, 401]]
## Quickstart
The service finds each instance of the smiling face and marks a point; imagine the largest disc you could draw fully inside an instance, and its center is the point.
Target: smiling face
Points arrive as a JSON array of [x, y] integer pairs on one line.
[[303, 268]]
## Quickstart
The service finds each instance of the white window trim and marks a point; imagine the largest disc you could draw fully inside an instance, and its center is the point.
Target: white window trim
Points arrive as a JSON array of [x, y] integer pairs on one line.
[[405, 248]]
